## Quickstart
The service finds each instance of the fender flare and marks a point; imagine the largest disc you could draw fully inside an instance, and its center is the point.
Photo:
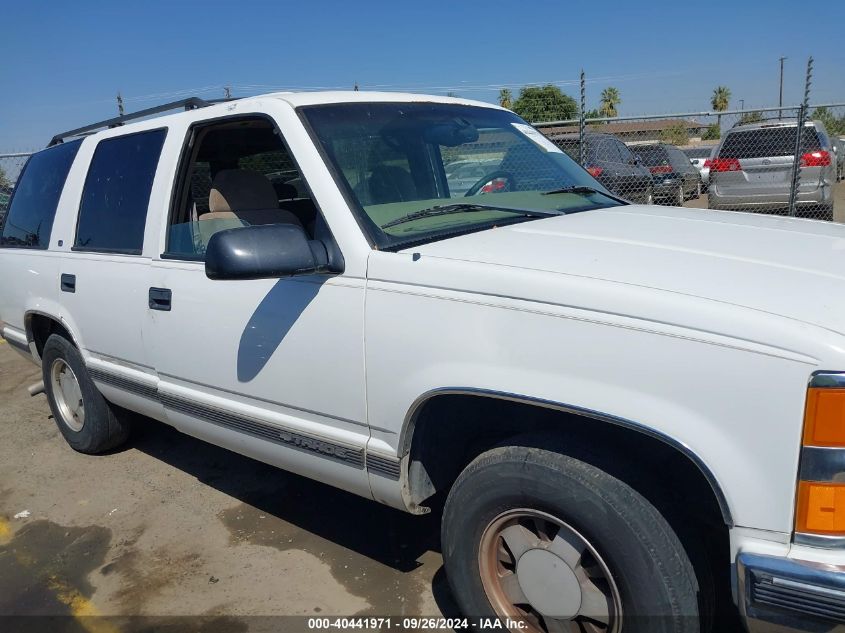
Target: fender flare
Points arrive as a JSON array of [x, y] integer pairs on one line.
[[409, 425]]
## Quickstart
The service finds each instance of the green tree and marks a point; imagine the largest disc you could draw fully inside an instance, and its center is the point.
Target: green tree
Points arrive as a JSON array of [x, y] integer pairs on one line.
[[834, 125], [545, 103], [506, 98], [609, 100], [675, 134], [5, 183], [712, 133], [751, 117], [592, 114], [720, 101]]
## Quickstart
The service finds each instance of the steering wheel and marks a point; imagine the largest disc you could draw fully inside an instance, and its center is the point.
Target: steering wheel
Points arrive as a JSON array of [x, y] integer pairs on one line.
[[493, 175]]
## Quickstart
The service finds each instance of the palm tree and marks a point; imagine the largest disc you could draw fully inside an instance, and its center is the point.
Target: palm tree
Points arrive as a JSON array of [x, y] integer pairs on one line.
[[719, 101], [506, 98], [609, 100]]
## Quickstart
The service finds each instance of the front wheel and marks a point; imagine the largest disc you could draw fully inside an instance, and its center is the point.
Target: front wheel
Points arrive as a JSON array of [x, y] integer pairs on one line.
[[535, 535]]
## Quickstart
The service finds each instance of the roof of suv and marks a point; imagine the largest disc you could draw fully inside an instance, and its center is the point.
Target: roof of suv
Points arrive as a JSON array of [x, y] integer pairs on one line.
[[141, 120], [769, 123]]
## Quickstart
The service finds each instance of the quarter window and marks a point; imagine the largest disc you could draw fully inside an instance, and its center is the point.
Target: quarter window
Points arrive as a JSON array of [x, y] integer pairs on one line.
[[30, 217], [117, 190]]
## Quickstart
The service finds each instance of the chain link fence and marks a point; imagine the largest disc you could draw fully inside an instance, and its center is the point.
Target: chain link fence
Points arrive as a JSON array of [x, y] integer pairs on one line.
[[752, 160], [740, 160]]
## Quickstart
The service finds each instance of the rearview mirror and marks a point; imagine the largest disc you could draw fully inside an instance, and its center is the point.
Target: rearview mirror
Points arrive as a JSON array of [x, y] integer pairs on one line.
[[263, 252], [451, 133]]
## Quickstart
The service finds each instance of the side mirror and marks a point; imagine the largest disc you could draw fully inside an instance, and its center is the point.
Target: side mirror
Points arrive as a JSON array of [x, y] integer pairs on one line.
[[263, 251]]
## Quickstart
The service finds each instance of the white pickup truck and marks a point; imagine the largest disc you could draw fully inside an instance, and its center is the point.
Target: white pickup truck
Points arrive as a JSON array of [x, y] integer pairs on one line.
[[633, 417]]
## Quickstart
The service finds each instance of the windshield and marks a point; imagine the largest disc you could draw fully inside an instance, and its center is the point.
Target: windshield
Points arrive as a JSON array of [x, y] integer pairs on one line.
[[395, 160]]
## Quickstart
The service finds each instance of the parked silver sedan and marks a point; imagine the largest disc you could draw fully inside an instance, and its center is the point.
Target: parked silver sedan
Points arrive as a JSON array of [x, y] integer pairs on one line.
[[752, 169]]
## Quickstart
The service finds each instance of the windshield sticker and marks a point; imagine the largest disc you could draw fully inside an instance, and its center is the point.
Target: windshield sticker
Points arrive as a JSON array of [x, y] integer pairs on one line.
[[537, 137]]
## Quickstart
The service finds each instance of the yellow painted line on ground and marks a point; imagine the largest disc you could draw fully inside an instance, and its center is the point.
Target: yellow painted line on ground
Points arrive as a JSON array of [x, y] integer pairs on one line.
[[80, 607], [3, 341]]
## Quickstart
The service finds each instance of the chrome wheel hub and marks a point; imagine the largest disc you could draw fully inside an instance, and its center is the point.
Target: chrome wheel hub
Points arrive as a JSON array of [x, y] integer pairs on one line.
[[536, 568], [68, 395]]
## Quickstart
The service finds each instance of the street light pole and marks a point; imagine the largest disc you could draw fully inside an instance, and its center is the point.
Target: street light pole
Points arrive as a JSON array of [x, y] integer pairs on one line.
[[780, 97]]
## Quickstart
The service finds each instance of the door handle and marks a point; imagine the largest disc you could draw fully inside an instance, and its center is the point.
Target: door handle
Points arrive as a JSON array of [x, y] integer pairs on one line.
[[68, 283], [160, 299]]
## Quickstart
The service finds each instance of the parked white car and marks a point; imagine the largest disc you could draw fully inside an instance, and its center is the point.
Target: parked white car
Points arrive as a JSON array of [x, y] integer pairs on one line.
[[629, 410]]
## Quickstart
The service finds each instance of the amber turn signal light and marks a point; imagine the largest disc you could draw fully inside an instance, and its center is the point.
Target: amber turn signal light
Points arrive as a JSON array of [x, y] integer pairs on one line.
[[824, 419], [821, 508]]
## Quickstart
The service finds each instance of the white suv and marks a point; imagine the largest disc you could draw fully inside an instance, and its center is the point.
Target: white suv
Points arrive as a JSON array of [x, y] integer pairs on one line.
[[634, 414]]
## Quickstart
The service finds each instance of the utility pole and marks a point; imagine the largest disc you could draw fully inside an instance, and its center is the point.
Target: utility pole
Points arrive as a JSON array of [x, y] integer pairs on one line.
[[780, 97], [119, 104], [227, 92], [356, 87], [742, 104]]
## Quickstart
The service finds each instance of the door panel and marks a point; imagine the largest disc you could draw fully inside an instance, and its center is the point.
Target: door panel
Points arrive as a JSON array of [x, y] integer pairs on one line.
[[266, 367]]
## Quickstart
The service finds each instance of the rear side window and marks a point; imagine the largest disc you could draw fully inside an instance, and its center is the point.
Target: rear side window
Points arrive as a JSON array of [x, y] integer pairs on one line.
[[117, 190], [33, 207], [768, 142], [679, 160], [627, 156], [653, 156]]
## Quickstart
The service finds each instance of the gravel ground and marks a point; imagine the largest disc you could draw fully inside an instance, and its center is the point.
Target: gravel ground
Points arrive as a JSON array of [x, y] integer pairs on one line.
[[171, 526]]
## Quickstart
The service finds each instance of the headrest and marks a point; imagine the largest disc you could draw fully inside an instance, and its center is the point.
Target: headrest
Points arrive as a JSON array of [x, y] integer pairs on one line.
[[241, 190]]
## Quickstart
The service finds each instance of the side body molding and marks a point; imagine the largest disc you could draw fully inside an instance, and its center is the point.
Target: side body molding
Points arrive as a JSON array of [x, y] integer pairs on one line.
[[412, 415]]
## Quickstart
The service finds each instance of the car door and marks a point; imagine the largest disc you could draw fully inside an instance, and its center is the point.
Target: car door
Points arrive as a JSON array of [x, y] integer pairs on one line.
[[637, 180], [104, 271], [271, 368], [605, 156]]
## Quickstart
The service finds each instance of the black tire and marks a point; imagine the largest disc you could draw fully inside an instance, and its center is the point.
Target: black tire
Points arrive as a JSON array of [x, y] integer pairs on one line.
[[681, 197], [655, 581], [102, 429]]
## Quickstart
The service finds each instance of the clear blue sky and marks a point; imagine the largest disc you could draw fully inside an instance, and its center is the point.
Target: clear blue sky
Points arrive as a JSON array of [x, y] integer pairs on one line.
[[65, 62]]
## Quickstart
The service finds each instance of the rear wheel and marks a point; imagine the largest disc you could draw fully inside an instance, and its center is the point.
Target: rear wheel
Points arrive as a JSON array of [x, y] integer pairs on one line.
[[87, 422], [535, 535], [680, 198]]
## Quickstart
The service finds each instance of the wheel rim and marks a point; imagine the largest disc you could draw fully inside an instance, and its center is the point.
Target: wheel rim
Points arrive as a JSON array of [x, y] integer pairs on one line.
[[681, 196], [650, 199], [536, 568], [68, 395]]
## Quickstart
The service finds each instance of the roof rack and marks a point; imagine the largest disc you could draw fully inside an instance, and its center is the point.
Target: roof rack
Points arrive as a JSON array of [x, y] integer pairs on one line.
[[192, 103]]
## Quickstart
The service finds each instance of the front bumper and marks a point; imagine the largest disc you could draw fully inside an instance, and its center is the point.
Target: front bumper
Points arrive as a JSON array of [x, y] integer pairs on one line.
[[783, 594]]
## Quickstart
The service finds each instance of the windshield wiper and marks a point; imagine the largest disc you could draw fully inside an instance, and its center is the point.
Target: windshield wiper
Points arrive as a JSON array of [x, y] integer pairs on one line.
[[583, 189], [465, 207]]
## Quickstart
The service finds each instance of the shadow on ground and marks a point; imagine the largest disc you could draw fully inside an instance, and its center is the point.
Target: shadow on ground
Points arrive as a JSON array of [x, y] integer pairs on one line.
[[373, 550]]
